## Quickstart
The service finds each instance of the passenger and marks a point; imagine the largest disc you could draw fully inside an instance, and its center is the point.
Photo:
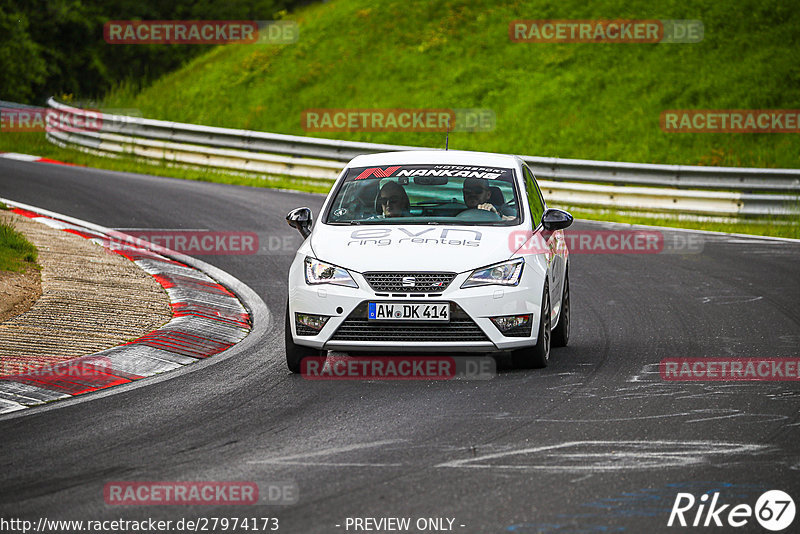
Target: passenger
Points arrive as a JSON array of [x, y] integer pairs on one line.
[[393, 201], [362, 200]]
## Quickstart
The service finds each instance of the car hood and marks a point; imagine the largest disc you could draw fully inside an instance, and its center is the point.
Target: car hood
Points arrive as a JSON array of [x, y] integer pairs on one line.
[[413, 247]]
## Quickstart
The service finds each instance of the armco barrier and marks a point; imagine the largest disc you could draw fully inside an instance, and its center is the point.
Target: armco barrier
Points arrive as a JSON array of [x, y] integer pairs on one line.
[[725, 191]]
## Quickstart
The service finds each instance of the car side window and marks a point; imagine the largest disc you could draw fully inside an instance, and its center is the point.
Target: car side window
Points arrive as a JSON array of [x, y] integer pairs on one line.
[[535, 200]]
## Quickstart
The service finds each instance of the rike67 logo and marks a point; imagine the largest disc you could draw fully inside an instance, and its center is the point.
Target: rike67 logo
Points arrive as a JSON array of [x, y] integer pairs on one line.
[[774, 511]]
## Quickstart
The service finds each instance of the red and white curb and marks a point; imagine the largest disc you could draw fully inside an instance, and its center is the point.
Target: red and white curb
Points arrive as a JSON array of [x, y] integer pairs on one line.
[[207, 319], [35, 159]]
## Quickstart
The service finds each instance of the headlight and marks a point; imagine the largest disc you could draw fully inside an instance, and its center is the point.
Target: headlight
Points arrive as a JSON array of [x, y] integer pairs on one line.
[[503, 274], [319, 272]]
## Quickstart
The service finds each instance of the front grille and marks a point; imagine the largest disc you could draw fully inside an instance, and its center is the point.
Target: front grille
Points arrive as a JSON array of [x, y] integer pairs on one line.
[[357, 328], [423, 282]]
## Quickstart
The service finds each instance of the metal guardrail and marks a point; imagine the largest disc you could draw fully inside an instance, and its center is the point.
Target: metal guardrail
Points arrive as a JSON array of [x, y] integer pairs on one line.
[[14, 105], [669, 188]]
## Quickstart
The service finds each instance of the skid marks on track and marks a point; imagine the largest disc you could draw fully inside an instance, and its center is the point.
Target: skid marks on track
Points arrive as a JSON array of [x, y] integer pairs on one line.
[[576, 457]]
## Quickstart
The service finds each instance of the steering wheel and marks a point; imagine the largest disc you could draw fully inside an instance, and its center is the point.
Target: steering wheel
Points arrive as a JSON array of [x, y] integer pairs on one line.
[[509, 208], [478, 215]]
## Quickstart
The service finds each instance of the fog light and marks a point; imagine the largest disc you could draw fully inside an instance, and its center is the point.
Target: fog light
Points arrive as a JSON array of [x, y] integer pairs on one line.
[[309, 325], [514, 325]]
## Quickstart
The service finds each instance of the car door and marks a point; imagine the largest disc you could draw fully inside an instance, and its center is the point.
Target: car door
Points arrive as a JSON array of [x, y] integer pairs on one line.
[[555, 258]]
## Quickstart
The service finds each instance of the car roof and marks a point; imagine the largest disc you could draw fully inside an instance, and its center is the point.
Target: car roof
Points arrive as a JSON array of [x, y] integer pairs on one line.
[[448, 157]]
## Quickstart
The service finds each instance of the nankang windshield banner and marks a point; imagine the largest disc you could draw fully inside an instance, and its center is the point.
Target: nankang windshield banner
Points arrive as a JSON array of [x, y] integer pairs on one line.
[[450, 171]]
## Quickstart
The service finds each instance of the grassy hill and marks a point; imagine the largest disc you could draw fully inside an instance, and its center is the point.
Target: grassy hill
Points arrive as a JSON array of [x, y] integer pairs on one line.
[[593, 101]]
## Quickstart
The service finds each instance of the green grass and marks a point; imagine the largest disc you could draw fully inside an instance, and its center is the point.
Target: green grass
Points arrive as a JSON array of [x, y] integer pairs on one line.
[[16, 253], [591, 101]]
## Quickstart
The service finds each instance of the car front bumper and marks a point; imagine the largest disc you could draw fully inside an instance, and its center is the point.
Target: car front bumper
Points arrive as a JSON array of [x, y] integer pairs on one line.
[[469, 330]]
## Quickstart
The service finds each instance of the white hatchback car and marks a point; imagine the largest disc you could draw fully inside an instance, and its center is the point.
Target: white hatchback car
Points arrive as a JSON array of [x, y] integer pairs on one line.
[[429, 251]]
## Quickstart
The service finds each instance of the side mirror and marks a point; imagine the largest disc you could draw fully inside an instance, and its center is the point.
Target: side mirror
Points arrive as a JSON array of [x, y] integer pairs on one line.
[[300, 218], [554, 219]]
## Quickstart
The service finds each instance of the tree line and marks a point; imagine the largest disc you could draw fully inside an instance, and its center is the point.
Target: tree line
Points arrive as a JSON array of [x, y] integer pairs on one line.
[[56, 47]]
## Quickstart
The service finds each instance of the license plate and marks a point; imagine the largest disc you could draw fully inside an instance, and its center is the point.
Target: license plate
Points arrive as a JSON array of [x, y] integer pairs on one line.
[[395, 311]]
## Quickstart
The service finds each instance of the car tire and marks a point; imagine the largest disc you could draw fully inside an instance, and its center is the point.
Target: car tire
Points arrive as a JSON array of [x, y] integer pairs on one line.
[[294, 352], [536, 357], [561, 331]]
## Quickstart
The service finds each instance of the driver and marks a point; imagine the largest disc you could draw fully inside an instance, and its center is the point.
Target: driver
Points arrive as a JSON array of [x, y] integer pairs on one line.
[[477, 195], [393, 201]]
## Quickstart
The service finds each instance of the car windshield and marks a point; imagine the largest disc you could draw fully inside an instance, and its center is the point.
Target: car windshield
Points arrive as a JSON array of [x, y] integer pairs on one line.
[[426, 194]]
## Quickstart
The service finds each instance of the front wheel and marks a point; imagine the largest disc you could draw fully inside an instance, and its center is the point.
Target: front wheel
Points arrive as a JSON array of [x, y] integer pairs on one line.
[[294, 352], [537, 356], [561, 331]]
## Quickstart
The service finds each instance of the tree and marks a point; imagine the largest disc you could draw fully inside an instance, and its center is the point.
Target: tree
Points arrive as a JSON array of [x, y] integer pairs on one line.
[[22, 68]]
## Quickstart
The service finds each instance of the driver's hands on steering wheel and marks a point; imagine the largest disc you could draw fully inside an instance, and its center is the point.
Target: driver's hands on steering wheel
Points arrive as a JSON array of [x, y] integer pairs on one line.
[[488, 206]]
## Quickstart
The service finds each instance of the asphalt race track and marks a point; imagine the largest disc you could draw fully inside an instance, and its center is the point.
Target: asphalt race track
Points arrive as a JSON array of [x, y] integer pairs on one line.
[[597, 442]]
